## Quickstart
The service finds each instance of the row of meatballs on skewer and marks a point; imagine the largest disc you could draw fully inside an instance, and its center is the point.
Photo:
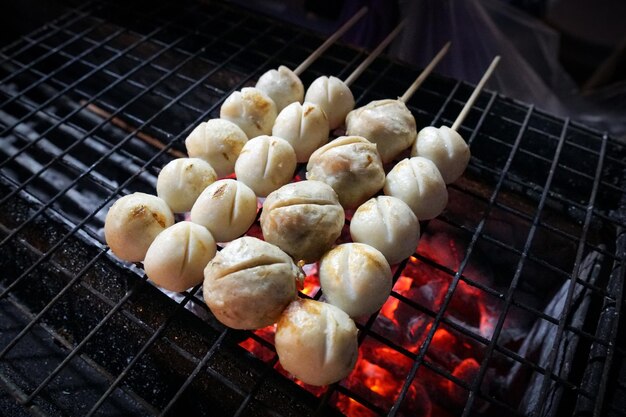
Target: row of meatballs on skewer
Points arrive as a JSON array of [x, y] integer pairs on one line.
[[261, 135]]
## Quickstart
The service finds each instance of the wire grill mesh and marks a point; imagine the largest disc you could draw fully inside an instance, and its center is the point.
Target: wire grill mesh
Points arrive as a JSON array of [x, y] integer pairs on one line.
[[95, 102]]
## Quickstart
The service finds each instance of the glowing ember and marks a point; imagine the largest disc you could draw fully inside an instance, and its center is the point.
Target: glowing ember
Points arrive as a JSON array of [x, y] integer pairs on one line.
[[377, 379], [403, 284], [255, 345], [382, 368], [255, 231], [350, 407], [465, 371], [312, 281]]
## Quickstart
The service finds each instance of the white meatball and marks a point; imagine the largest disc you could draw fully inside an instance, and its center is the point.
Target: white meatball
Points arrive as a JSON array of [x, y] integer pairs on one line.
[[387, 123], [250, 109], [133, 222], [265, 164], [227, 208], [418, 183], [303, 218], [387, 224], [446, 148], [249, 283], [177, 257], [181, 181], [304, 126], [316, 342], [356, 278], [351, 165], [282, 86], [333, 96], [218, 142]]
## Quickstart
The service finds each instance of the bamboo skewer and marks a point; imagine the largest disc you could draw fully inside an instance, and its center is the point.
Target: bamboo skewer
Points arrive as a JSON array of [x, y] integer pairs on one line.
[[331, 40], [395, 136], [334, 96], [374, 54], [470, 102], [444, 146], [425, 73]]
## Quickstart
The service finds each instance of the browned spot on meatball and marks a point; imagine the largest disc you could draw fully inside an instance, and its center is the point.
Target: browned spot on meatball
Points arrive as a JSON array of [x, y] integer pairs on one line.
[[159, 219], [259, 102], [138, 211], [220, 191], [336, 165]]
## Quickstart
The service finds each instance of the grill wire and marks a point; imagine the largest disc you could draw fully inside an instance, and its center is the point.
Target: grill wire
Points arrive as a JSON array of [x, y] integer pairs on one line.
[[93, 104]]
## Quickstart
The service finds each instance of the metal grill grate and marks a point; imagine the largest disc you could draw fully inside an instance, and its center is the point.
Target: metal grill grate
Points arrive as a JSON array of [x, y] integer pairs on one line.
[[95, 102]]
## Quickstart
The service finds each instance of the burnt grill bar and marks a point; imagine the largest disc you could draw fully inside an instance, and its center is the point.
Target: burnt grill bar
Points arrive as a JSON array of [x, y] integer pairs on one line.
[[143, 349], [517, 275], [79, 93], [612, 308], [576, 270], [457, 276], [194, 373]]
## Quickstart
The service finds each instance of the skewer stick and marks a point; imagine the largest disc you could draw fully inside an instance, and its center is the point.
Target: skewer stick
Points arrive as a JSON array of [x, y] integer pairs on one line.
[[372, 56], [475, 93], [323, 47], [425, 73]]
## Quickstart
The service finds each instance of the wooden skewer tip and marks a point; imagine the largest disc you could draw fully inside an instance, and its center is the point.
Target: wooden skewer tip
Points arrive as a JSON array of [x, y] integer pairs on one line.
[[425, 73], [470, 102], [374, 54], [331, 40]]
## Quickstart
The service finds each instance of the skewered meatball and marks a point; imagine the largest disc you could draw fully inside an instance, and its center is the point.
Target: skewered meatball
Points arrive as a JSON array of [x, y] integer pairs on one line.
[[177, 257], [227, 208], [181, 181], [419, 184], [351, 165], [133, 222], [218, 142], [250, 109], [446, 148], [387, 123], [316, 342], [282, 85], [249, 283], [304, 126], [265, 164], [303, 218], [333, 96], [387, 224], [356, 278]]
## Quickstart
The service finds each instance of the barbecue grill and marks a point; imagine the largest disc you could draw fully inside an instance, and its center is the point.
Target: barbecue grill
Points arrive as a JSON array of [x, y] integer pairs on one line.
[[510, 306]]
